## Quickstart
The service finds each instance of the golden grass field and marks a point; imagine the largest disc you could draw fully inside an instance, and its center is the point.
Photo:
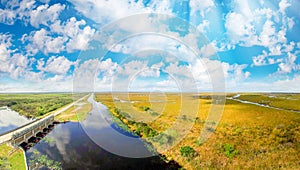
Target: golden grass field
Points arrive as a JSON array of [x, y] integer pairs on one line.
[[247, 136]]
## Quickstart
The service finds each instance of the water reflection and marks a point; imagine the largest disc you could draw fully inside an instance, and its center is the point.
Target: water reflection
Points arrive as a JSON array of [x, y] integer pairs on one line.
[[69, 144], [101, 129], [91, 144], [10, 120]]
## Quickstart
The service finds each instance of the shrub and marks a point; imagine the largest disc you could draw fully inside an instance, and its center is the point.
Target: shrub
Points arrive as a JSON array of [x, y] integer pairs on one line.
[[145, 108], [281, 134], [229, 150], [11, 103], [187, 151], [117, 110], [164, 139], [143, 128]]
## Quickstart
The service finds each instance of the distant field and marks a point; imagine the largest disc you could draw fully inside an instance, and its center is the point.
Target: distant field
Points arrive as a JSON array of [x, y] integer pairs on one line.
[[285, 101], [35, 105], [248, 136]]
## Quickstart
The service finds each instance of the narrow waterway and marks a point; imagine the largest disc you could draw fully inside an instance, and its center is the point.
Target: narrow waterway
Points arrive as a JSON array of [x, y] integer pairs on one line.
[[95, 143], [10, 120], [235, 98]]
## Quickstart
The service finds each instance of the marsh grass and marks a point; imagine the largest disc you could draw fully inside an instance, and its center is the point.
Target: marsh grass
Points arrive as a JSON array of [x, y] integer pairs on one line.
[[284, 101], [247, 137], [39, 161]]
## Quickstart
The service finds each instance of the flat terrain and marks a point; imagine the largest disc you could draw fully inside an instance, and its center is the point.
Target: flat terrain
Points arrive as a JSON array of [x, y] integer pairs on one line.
[[284, 101], [37, 104], [247, 136], [76, 113], [10, 158]]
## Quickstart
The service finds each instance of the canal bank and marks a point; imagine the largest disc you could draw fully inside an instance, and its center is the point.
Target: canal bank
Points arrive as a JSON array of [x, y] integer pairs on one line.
[[12, 158], [140, 129], [89, 144]]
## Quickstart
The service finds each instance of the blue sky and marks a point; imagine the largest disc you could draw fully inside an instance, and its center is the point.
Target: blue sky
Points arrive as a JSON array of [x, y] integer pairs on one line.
[[48, 45]]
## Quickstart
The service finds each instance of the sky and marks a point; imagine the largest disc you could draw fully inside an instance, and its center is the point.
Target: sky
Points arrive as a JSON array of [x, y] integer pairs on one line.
[[149, 45]]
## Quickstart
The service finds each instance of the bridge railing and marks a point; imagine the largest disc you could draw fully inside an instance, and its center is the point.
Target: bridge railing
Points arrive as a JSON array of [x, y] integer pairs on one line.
[[30, 128]]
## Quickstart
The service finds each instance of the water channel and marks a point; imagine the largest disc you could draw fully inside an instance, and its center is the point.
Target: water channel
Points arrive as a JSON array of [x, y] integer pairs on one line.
[[10, 120], [70, 145]]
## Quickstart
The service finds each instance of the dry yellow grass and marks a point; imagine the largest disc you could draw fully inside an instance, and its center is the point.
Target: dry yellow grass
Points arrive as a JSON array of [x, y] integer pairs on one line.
[[247, 136]]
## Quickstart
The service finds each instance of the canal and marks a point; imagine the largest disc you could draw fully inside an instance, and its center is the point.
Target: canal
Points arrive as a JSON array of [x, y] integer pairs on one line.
[[10, 120], [95, 143]]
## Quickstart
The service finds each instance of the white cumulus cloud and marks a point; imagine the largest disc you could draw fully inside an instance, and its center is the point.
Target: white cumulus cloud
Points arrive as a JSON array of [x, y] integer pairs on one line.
[[45, 14], [55, 65]]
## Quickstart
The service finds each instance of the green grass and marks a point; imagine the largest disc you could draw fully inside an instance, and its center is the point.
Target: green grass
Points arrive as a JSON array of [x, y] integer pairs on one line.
[[187, 151], [4, 150], [229, 150], [17, 160], [10, 160], [76, 113]]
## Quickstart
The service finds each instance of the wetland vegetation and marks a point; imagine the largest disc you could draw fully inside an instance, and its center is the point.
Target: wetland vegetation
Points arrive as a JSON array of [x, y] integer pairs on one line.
[[247, 136]]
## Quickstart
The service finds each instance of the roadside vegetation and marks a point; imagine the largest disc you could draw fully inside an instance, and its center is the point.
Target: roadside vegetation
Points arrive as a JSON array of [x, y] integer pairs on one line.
[[11, 158], [248, 136], [76, 113]]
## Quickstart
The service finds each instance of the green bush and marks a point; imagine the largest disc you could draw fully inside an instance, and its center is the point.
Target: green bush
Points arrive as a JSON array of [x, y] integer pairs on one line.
[[229, 150], [187, 151], [145, 108], [143, 128]]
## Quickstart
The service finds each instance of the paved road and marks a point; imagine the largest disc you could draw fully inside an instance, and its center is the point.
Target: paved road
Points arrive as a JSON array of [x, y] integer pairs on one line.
[[7, 136]]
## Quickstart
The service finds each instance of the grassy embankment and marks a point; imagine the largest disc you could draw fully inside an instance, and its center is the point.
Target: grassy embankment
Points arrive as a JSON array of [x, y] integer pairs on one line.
[[247, 136], [75, 113], [10, 158]]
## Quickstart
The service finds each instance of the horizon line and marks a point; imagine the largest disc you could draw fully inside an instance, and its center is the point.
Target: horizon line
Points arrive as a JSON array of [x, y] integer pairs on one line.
[[41, 92]]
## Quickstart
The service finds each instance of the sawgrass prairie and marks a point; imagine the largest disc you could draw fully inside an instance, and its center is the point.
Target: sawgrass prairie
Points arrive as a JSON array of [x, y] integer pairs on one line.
[[247, 136]]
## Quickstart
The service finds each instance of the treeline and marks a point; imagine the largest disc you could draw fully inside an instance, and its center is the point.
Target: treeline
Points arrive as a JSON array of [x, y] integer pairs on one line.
[[34, 105]]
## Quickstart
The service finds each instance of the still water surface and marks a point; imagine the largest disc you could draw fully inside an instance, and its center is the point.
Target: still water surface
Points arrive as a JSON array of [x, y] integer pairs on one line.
[[71, 145], [10, 120]]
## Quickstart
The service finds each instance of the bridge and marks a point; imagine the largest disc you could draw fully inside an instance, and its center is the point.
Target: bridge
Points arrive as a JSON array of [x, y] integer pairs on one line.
[[33, 129]]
